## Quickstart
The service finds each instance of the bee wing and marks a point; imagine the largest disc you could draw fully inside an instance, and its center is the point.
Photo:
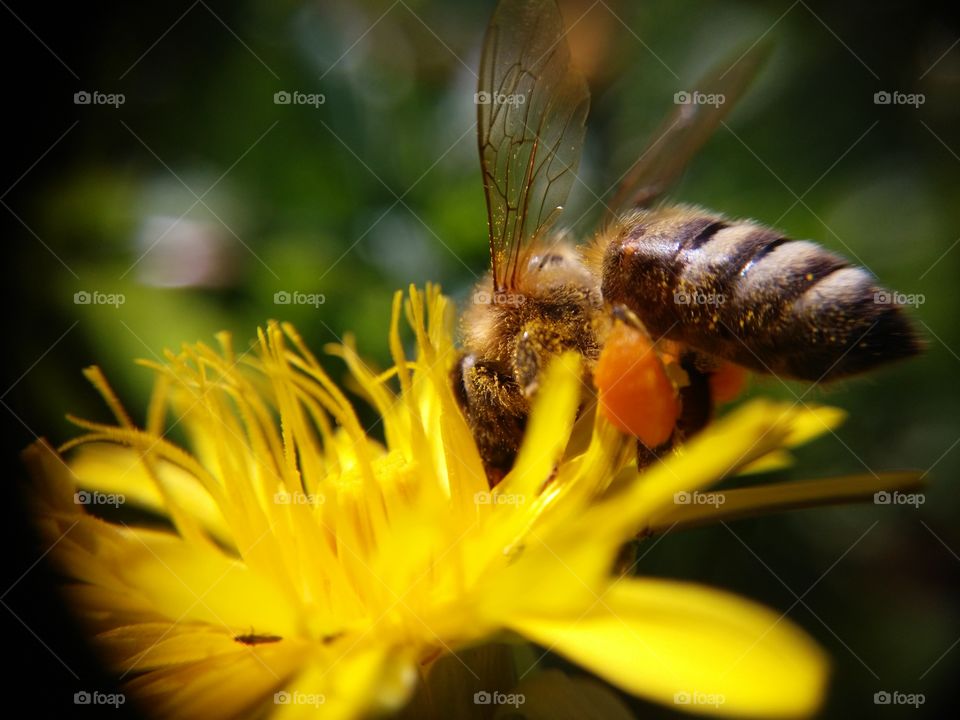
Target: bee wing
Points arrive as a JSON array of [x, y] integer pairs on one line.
[[531, 108], [686, 129]]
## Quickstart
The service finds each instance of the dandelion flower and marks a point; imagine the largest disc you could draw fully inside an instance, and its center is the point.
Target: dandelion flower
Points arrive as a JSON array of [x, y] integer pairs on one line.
[[304, 564]]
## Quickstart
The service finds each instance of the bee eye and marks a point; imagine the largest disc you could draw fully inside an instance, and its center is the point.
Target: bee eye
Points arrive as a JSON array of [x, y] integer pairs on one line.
[[547, 260]]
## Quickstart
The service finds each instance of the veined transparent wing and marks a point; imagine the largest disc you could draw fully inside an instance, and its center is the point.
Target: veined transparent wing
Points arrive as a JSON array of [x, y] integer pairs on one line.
[[698, 113], [531, 109]]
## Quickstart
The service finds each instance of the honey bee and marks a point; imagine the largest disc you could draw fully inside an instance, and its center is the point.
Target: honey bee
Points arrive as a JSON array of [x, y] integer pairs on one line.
[[667, 304]]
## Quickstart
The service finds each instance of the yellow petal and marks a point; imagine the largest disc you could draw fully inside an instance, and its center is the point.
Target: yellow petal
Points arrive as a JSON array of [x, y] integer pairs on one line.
[[188, 583], [672, 642], [553, 574], [809, 425], [548, 429], [727, 445], [113, 469], [224, 686], [349, 684], [814, 421], [775, 460], [52, 478], [150, 645]]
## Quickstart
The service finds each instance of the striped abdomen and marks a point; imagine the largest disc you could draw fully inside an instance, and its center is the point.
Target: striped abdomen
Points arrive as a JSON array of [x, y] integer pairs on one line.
[[743, 292]]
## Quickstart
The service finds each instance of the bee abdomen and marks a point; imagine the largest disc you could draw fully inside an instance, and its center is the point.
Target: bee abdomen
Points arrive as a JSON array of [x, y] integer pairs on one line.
[[745, 293]]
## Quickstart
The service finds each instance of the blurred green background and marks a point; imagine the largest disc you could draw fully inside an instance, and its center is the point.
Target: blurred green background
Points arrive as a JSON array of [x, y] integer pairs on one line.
[[199, 198]]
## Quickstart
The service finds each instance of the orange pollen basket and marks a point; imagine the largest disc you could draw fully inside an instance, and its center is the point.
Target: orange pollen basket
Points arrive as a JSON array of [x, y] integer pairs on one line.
[[636, 395], [727, 382]]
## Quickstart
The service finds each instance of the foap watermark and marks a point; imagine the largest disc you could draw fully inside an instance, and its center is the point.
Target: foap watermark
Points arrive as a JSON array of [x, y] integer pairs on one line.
[[85, 97], [97, 498], [95, 297], [698, 297], [892, 297], [696, 697], [685, 497], [295, 97], [885, 497], [695, 97], [298, 498], [86, 697], [895, 697], [498, 98], [482, 297], [297, 697], [486, 497], [482, 697], [886, 97], [283, 297]]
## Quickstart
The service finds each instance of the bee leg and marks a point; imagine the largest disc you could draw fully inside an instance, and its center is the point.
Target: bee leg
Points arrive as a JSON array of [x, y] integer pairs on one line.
[[696, 402], [538, 342], [629, 554], [648, 456], [495, 410], [534, 343], [627, 316], [626, 557]]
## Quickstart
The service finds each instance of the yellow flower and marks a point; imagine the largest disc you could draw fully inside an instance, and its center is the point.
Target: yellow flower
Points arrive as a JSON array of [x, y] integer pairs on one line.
[[296, 562]]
